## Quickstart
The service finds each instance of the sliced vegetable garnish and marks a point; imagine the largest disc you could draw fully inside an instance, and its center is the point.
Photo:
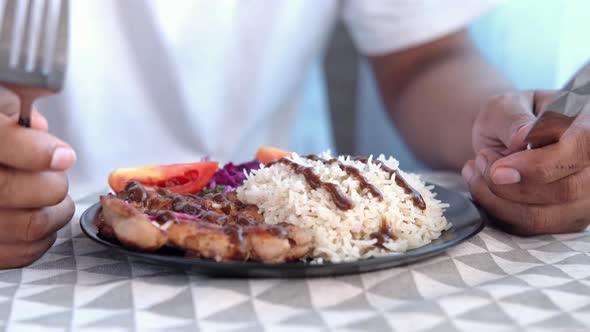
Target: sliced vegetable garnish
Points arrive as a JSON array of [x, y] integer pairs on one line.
[[179, 178], [232, 175], [268, 154], [216, 190]]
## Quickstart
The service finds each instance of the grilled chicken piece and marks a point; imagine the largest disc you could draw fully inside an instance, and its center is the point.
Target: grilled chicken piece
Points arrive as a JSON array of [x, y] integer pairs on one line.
[[219, 229], [130, 226], [208, 240]]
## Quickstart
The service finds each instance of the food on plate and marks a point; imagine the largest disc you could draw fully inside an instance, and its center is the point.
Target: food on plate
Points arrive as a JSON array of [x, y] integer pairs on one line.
[[267, 154], [179, 178], [215, 226], [311, 208], [356, 207], [230, 177]]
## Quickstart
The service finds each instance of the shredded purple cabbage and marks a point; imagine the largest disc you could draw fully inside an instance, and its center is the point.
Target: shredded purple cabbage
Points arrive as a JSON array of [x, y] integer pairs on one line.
[[232, 176]]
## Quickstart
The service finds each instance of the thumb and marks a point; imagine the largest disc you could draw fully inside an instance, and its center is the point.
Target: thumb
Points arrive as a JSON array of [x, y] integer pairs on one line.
[[540, 100], [511, 118], [33, 150]]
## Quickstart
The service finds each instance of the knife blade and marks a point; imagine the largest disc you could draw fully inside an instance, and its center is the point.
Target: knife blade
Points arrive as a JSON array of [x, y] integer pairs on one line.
[[559, 114]]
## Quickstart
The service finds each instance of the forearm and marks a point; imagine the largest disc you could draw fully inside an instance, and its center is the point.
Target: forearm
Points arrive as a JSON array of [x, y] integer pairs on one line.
[[436, 105]]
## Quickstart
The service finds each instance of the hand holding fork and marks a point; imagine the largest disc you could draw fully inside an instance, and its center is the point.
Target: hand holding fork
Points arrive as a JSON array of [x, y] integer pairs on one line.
[[33, 186]]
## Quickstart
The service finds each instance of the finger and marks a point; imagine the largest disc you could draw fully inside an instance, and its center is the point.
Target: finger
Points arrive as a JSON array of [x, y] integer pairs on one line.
[[9, 102], [38, 121], [22, 189], [566, 190], [529, 219], [488, 157], [10, 107], [507, 184], [33, 149], [542, 98], [485, 158], [23, 254], [550, 163], [32, 225], [507, 114]]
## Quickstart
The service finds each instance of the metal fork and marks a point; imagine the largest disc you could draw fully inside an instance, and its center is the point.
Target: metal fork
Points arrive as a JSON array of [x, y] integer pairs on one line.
[[33, 49]]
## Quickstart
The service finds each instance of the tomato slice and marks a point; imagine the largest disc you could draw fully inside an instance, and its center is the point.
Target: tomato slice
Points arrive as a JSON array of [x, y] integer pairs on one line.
[[267, 154], [180, 178]]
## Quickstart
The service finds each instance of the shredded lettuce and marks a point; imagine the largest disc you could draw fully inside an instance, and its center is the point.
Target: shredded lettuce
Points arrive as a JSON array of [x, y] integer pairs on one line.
[[216, 190]]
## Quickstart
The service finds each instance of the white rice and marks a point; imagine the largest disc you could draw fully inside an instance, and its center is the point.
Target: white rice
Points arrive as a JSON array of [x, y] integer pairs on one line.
[[343, 235]]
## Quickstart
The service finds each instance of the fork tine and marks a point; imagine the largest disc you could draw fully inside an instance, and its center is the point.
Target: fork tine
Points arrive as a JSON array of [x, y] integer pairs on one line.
[[2, 10], [55, 57], [29, 51], [20, 24], [7, 28], [62, 42]]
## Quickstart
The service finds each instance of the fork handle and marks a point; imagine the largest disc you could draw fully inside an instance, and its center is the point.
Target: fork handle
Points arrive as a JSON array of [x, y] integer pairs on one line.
[[26, 95], [26, 106]]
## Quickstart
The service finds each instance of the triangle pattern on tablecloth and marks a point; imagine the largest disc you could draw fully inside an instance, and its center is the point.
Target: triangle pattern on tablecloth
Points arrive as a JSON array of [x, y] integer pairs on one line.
[[60, 296], [295, 292], [124, 320], [444, 272], [482, 262], [179, 306], [358, 302], [12, 276], [52, 320], [272, 313], [145, 320], [373, 323], [209, 301], [118, 297], [308, 318], [326, 292], [490, 313], [562, 322], [402, 286], [456, 305], [241, 312]]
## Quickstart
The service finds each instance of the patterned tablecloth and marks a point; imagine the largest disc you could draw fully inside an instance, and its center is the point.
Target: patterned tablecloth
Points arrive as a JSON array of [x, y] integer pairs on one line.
[[493, 282]]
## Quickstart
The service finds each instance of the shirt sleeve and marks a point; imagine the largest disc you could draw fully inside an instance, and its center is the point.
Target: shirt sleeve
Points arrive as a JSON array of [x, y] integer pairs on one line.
[[383, 26]]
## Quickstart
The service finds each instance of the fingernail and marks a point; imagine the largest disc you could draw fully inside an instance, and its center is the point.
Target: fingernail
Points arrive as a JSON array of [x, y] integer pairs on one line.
[[467, 172], [506, 175], [63, 158], [481, 163]]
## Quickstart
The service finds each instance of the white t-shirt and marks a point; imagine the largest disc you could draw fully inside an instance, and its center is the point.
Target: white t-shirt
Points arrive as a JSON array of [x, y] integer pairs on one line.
[[153, 82]]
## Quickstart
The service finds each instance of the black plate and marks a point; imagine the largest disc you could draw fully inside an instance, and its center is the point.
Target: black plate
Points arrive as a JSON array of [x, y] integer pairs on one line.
[[467, 221]]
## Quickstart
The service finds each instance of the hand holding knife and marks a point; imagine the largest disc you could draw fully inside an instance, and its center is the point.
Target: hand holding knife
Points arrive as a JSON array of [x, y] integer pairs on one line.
[[543, 189]]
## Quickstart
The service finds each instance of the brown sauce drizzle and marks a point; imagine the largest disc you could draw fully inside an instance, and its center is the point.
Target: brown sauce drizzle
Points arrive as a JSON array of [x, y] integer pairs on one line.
[[190, 205], [351, 171], [213, 217], [180, 204], [236, 235], [164, 217], [399, 180], [385, 234], [314, 181], [134, 192]]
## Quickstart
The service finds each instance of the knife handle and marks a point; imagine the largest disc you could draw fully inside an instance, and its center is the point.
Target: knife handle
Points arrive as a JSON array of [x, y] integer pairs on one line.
[[549, 129]]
